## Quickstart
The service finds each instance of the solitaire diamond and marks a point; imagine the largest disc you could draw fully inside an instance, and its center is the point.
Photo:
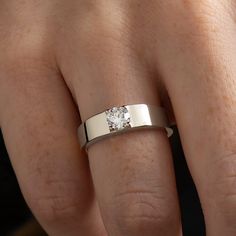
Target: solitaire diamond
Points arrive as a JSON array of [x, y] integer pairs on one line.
[[118, 118]]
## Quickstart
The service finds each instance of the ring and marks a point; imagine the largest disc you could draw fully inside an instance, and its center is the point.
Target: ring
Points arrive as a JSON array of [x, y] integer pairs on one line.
[[121, 119]]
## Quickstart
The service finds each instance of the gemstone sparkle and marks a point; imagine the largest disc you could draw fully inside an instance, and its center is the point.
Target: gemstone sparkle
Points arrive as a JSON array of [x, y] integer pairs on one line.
[[118, 118]]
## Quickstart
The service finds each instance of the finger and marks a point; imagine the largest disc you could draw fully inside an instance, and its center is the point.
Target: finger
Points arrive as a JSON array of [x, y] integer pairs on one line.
[[132, 173], [202, 89], [39, 122]]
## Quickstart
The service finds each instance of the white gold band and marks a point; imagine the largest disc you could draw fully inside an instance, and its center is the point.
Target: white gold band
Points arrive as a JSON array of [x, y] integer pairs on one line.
[[119, 119]]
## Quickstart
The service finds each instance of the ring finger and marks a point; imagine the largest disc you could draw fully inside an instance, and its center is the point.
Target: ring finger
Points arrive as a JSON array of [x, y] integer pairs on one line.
[[133, 172]]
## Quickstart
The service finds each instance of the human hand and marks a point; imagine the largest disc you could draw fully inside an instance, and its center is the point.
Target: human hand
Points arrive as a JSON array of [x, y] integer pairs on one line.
[[60, 55]]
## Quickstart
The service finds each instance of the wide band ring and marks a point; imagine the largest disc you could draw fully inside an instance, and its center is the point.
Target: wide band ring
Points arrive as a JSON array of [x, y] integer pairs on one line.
[[121, 119]]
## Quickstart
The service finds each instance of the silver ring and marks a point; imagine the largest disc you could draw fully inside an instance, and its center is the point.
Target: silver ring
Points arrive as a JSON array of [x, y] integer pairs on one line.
[[120, 119]]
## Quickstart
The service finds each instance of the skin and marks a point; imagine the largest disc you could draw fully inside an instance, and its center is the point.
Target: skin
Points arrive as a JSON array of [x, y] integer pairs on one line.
[[64, 61]]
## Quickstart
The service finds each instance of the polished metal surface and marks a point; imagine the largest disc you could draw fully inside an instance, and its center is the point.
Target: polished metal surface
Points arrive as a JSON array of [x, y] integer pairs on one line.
[[139, 116]]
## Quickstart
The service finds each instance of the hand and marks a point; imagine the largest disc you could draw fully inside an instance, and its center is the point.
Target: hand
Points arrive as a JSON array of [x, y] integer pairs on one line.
[[57, 55]]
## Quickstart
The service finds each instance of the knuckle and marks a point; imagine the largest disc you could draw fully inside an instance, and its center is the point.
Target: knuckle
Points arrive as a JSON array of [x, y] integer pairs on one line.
[[194, 22], [23, 42], [55, 208], [222, 186], [142, 211], [52, 203]]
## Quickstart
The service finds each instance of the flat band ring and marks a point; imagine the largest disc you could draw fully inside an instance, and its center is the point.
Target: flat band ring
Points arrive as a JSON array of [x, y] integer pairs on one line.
[[121, 119]]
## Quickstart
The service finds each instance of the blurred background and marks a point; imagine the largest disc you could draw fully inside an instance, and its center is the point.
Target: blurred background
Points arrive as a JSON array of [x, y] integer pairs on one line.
[[16, 218]]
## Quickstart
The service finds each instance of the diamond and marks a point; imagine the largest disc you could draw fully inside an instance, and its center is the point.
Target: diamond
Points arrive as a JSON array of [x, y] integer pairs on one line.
[[118, 118]]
